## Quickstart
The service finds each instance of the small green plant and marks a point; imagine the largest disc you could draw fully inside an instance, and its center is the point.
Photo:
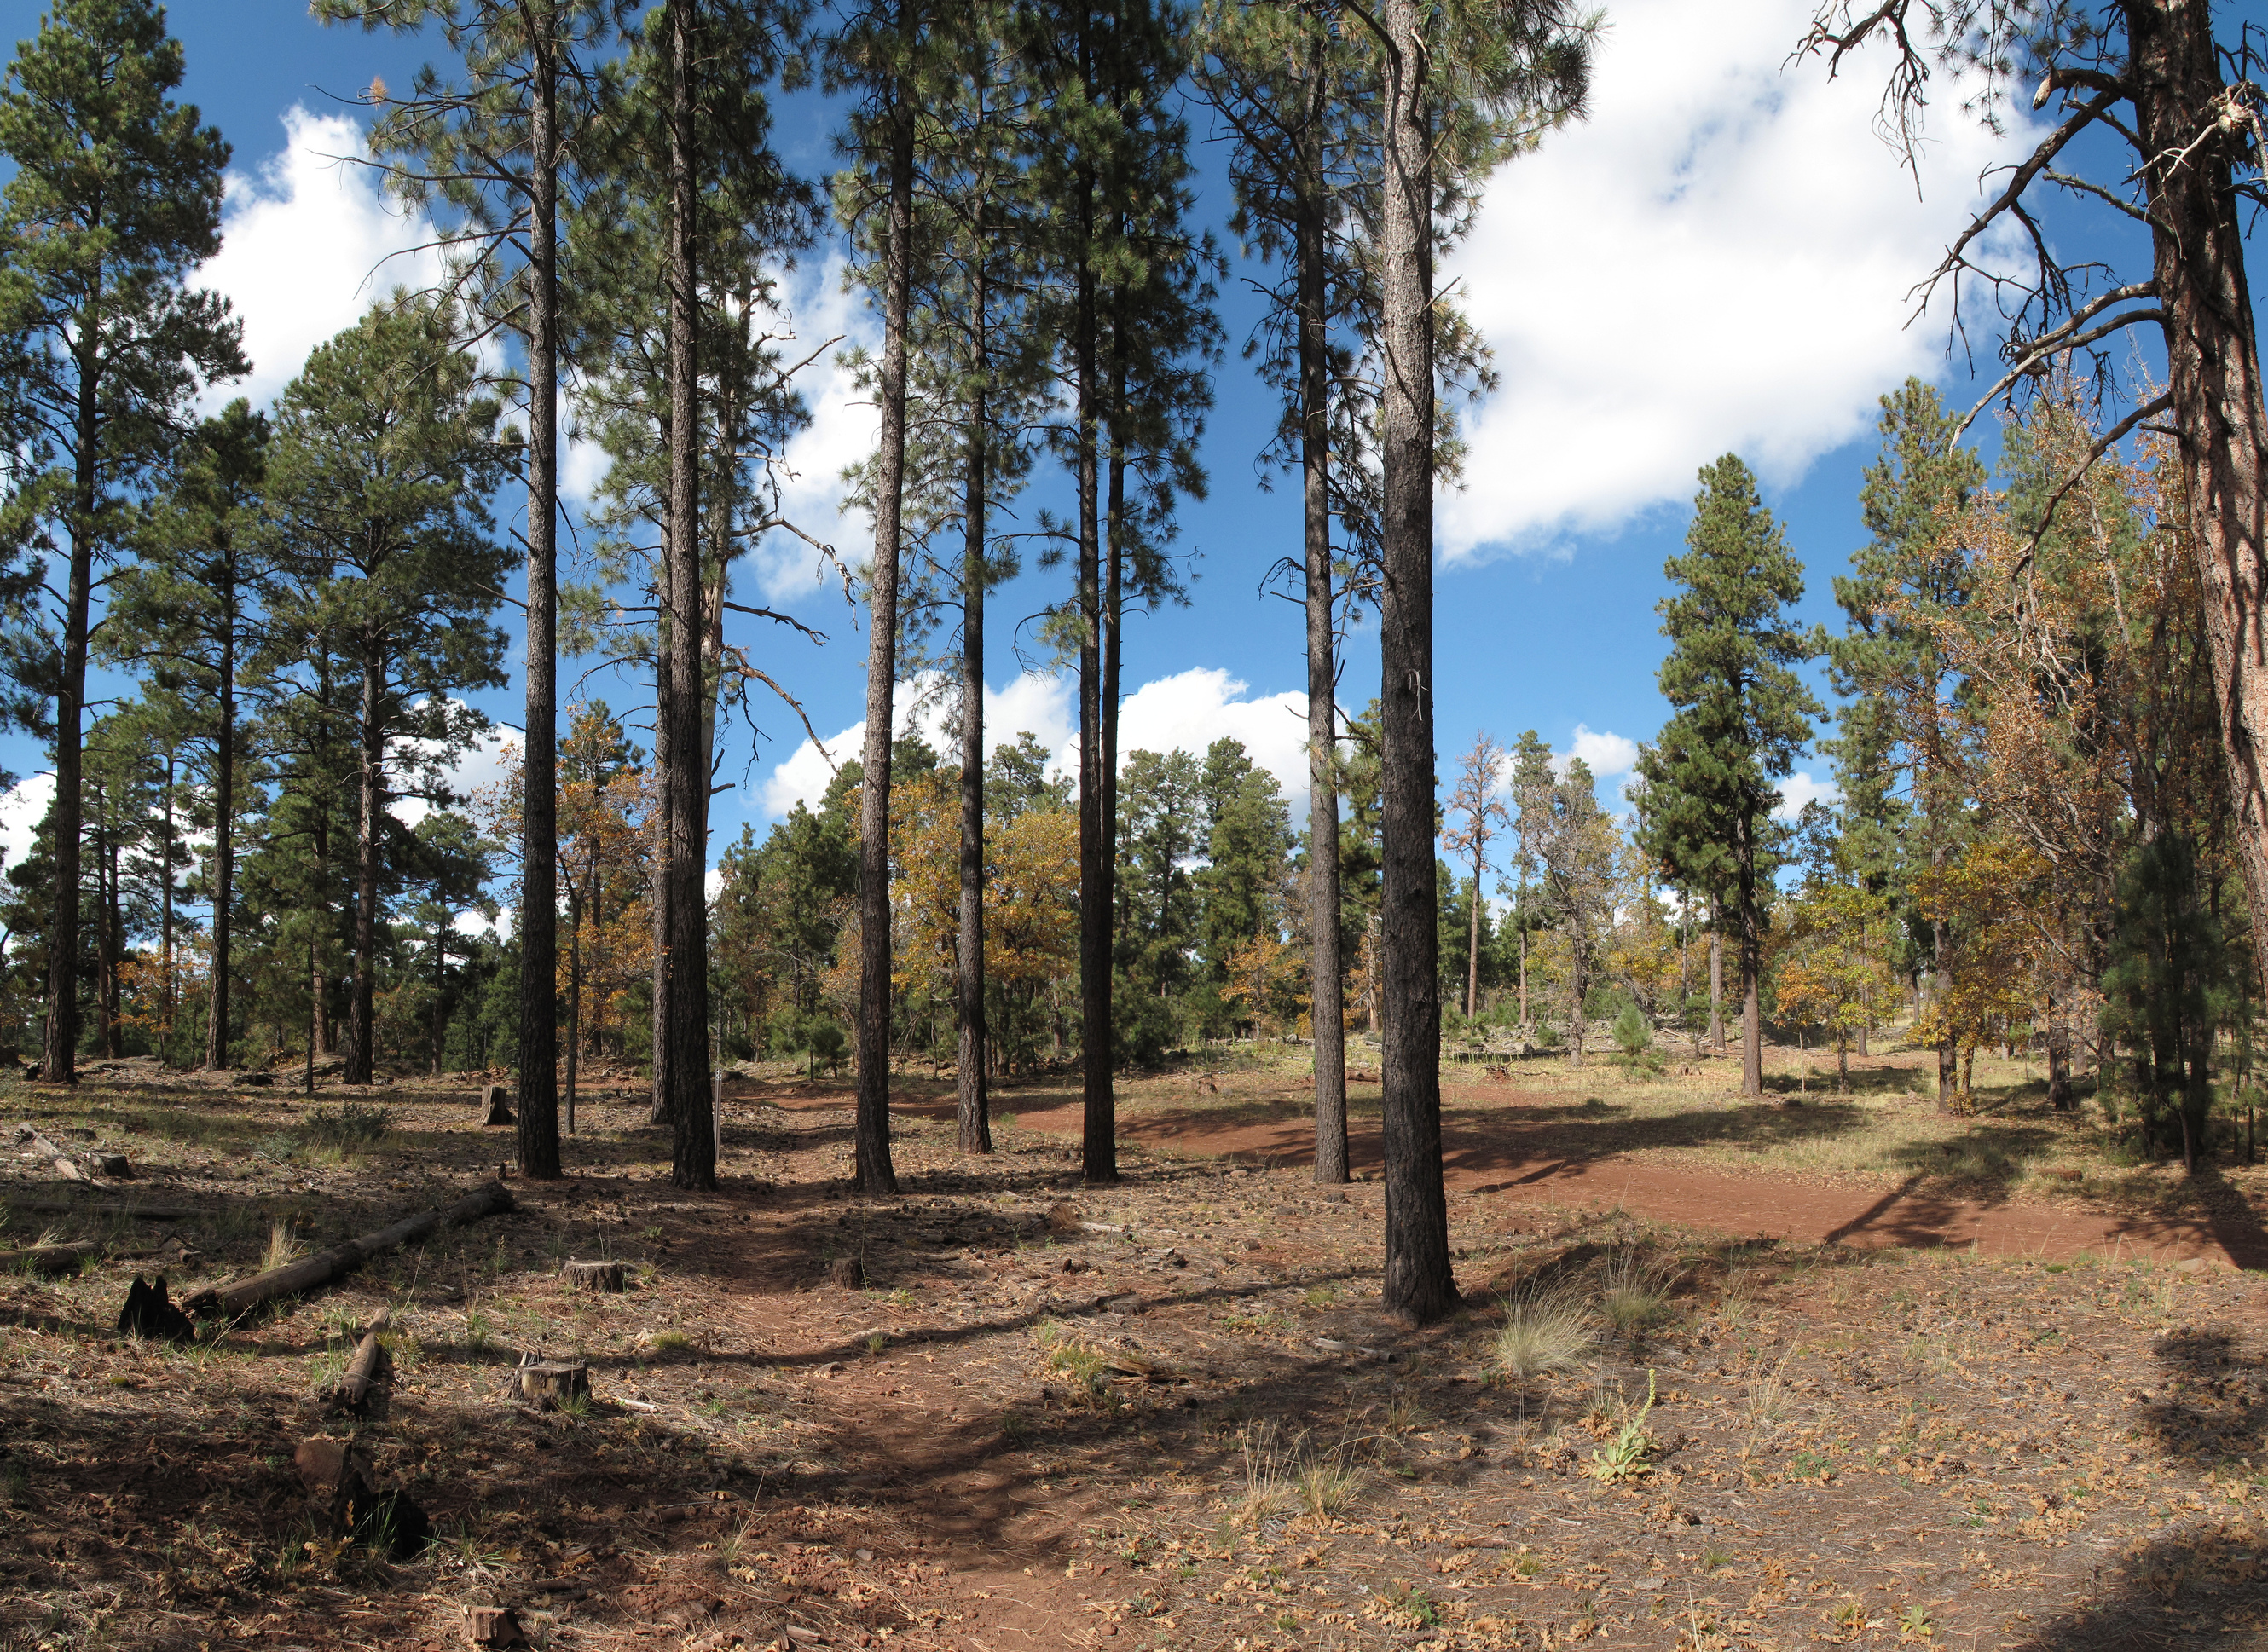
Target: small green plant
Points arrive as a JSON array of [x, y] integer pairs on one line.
[[1914, 1624], [876, 1342], [1527, 1563], [671, 1341], [1545, 1329], [1085, 1367], [1713, 1557], [1809, 1465], [1420, 1605], [479, 1332], [15, 1482], [1625, 1457], [1850, 1616]]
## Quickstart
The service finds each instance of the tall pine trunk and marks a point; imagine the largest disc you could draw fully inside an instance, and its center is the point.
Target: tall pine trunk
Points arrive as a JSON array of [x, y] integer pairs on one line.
[[1717, 977], [692, 1159], [362, 1030], [1327, 1014], [875, 1173], [1099, 1132], [538, 901], [1418, 1284], [1750, 918], [223, 858], [60, 1038], [2212, 359], [976, 1123]]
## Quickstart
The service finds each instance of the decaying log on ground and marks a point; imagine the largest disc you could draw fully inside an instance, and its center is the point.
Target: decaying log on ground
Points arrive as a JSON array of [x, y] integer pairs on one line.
[[496, 1106], [367, 1371], [295, 1278], [150, 1313], [603, 1277], [546, 1384], [49, 1261]]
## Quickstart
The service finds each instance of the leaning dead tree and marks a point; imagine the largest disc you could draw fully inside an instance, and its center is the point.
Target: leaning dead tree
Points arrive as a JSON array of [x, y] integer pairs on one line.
[[2160, 122]]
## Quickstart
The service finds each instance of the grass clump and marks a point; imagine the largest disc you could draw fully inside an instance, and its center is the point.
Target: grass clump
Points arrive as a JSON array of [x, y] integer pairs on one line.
[[1285, 1475], [1633, 1292], [355, 1127], [1544, 1330], [284, 1247]]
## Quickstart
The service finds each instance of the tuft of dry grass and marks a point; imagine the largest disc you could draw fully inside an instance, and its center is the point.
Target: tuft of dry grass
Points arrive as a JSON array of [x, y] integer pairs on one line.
[[1545, 1329], [284, 1247]]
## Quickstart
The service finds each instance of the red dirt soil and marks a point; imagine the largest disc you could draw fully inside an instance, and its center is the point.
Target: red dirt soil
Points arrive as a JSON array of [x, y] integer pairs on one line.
[[1502, 1154]]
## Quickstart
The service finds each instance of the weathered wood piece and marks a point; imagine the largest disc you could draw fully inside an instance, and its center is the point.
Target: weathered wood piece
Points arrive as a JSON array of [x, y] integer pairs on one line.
[[496, 1106], [546, 1384], [492, 1625], [600, 1276], [367, 1373], [48, 1261], [307, 1273], [63, 1164], [847, 1272], [112, 1164], [150, 1313]]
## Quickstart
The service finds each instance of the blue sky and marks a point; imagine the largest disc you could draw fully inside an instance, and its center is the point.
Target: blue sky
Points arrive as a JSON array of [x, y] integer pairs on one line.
[[1718, 260]]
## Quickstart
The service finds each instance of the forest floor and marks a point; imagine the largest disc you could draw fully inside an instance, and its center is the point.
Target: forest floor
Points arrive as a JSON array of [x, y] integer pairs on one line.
[[1985, 1405]]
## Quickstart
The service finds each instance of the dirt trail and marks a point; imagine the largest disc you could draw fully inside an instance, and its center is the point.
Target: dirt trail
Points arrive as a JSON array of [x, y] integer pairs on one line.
[[1499, 1155]]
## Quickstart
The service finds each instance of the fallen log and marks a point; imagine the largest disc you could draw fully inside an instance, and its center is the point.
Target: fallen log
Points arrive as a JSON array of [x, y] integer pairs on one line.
[[367, 1371], [49, 1261], [295, 1279]]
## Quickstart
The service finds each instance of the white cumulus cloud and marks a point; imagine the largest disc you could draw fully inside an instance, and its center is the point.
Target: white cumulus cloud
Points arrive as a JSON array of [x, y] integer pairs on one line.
[[1186, 712], [1800, 788], [22, 807], [1717, 259], [1604, 755], [308, 244], [846, 424]]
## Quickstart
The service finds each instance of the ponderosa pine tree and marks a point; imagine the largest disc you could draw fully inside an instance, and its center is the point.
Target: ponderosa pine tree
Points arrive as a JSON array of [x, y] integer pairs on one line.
[[113, 201], [748, 218], [1296, 89], [377, 527], [1129, 297], [1531, 780], [1464, 77], [978, 364], [888, 51], [1741, 716], [1912, 575], [184, 611], [2161, 125], [494, 148]]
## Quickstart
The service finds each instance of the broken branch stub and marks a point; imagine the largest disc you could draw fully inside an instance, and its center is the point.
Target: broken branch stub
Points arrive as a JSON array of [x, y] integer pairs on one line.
[[367, 1371], [295, 1278]]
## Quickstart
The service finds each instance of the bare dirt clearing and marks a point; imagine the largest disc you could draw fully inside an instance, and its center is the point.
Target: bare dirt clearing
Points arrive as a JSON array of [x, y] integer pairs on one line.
[[1164, 1414]]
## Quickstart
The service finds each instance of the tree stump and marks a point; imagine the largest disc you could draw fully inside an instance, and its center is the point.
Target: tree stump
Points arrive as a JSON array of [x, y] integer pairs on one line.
[[113, 1165], [546, 1384], [148, 1312], [601, 1276], [847, 1272], [492, 1625], [495, 1108]]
